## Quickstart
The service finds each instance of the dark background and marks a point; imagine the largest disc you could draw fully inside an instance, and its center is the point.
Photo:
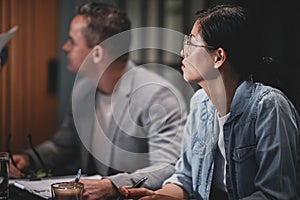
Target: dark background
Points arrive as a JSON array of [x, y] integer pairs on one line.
[[278, 23]]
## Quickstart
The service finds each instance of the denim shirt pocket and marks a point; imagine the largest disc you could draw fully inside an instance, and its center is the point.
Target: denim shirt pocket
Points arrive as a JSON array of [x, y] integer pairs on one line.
[[245, 169], [240, 154]]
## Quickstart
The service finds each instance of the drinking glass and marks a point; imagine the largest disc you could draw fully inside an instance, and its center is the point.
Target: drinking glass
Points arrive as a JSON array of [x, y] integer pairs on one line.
[[67, 191], [4, 175]]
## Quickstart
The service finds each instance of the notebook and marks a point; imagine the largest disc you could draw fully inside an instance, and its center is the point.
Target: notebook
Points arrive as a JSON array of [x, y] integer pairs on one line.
[[42, 188]]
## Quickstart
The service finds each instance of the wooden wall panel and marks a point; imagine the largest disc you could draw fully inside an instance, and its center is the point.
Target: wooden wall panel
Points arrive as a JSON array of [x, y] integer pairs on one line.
[[26, 103], [4, 78]]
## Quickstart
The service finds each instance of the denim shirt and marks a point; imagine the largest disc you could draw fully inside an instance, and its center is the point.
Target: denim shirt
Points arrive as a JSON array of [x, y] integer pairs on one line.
[[261, 139]]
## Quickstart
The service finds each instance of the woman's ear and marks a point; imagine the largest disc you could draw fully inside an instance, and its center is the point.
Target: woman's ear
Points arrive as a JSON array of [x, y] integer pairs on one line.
[[219, 57], [97, 53]]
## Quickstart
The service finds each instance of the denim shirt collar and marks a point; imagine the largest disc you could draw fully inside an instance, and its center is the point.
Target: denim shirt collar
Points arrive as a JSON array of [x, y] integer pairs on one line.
[[241, 99]]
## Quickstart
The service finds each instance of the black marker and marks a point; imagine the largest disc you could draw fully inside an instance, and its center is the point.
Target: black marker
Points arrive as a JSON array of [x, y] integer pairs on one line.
[[140, 182]]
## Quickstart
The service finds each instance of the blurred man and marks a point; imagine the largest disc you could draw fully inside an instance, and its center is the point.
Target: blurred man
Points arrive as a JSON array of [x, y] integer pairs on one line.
[[133, 126]]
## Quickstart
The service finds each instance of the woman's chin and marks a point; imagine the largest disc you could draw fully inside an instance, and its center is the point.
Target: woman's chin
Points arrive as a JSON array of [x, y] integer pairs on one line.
[[186, 78]]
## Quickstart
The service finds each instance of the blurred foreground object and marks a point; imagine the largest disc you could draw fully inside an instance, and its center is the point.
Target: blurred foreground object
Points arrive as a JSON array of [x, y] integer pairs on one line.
[[4, 38]]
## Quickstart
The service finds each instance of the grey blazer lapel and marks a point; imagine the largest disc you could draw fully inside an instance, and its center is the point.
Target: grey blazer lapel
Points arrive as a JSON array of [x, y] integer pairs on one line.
[[120, 101]]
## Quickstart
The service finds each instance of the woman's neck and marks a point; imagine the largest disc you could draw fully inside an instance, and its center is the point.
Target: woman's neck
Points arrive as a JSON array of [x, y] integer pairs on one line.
[[221, 91]]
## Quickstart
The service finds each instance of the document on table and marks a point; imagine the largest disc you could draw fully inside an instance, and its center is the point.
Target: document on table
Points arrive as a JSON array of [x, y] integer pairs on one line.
[[42, 187]]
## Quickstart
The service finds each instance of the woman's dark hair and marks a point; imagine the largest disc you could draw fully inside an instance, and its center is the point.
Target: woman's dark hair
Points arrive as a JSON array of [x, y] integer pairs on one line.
[[105, 21], [233, 28]]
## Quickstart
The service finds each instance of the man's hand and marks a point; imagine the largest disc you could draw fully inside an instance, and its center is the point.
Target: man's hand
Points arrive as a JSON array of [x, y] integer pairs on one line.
[[98, 189], [22, 162]]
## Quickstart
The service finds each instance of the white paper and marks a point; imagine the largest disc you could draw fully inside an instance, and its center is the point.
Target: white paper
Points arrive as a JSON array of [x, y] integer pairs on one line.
[[42, 187], [4, 37]]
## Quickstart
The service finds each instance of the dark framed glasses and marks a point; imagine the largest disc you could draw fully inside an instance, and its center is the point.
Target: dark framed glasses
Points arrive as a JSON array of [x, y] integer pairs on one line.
[[189, 45]]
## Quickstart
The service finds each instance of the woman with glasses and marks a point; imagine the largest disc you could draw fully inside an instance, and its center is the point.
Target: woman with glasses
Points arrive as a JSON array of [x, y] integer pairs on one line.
[[242, 137]]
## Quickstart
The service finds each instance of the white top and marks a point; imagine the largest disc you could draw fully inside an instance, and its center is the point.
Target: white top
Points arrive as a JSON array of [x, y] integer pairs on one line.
[[103, 110], [103, 114]]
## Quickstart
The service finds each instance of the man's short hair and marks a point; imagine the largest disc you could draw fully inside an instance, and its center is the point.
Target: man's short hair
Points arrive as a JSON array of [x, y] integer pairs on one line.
[[105, 21]]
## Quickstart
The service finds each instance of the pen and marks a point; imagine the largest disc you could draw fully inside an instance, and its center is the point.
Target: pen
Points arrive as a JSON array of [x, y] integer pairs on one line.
[[140, 182], [18, 185], [77, 177]]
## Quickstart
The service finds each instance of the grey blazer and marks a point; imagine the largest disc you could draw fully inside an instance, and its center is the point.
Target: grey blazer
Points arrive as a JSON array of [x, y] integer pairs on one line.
[[144, 135]]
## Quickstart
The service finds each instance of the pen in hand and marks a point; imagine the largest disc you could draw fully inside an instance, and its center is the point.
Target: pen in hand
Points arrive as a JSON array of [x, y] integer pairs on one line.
[[138, 184], [77, 178]]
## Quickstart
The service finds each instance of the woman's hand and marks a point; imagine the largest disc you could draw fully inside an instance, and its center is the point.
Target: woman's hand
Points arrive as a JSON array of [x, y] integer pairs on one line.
[[145, 194], [134, 193]]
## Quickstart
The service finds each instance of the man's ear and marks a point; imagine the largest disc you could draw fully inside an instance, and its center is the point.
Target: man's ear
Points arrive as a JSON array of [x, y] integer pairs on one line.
[[219, 57], [97, 54]]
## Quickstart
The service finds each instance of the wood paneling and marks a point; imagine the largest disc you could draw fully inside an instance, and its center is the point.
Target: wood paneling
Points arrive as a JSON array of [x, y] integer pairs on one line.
[[26, 106]]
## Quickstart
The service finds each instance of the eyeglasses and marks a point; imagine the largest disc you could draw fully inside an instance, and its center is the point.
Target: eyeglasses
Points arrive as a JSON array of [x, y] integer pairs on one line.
[[187, 43], [32, 175]]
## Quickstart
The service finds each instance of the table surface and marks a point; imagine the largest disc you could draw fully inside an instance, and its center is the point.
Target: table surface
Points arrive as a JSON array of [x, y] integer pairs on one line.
[[18, 194]]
